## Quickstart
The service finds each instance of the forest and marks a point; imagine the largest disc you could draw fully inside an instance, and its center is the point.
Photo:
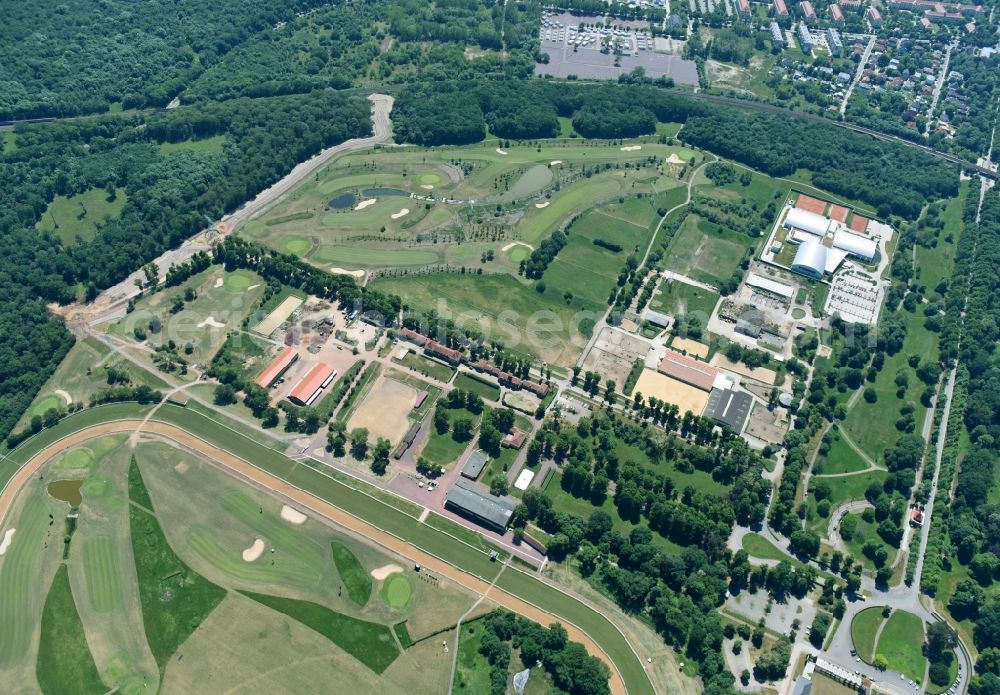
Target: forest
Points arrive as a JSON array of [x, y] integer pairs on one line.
[[170, 196]]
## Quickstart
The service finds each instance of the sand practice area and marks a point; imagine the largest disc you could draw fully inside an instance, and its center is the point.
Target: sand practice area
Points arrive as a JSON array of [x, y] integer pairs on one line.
[[763, 374], [631, 148], [277, 317], [218, 282], [365, 203], [665, 388], [342, 271], [64, 395], [542, 205], [554, 162], [401, 213], [503, 152], [674, 159], [7, 538], [512, 244], [254, 551], [293, 516], [384, 409], [691, 347], [380, 573], [210, 321]]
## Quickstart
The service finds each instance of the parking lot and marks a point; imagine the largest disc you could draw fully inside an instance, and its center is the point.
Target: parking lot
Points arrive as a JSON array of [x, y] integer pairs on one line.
[[855, 296], [587, 48]]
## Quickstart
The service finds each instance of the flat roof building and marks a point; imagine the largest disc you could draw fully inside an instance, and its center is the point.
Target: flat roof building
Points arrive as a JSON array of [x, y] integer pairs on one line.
[[833, 42], [310, 387], [475, 465], [656, 318], [729, 408], [805, 38], [690, 371], [278, 367], [768, 285], [480, 506], [777, 38]]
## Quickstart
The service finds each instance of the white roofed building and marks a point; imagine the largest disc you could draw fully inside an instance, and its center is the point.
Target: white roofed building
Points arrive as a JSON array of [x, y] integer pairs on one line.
[[797, 218], [862, 247], [810, 259]]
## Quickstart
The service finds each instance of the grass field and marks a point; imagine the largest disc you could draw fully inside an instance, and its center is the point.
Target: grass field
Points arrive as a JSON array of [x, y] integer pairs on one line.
[[102, 573], [901, 643], [705, 252], [843, 488], [841, 458], [352, 573], [443, 449], [370, 643], [473, 673], [81, 215], [482, 388], [758, 546], [863, 533], [211, 145], [681, 299], [427, 367], [64, 661], [864, 627]]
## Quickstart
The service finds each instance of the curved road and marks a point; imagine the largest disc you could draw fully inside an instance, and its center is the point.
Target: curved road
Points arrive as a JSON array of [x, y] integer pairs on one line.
[[242, 469]]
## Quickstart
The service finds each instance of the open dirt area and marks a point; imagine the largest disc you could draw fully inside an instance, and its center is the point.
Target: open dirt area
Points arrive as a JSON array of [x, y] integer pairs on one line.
[[762, 374], [8, 537], [384, 409], [613, 354], [503, 152], [512, 244], [210, 321], [218, 282], [64, 395], [293, 516], [691, 347], [277, 317], [522, 400], [254, 551], [664, 388], [342, 271], [555, 161], [380, 573], [674, 159], [767, 425]]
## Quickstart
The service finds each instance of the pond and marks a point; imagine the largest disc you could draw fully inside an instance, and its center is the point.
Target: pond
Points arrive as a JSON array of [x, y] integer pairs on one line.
[[67, 491], [373, 192], [342, 201]]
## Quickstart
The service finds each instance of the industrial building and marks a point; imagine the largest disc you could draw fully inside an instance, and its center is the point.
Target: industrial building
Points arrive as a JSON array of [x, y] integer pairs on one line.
[[764, 284], [656, 318], [278, 367], [480, 506], [729, 408], [825, 243], [805, 38], [310, 387], [833, 42], [474, 466]]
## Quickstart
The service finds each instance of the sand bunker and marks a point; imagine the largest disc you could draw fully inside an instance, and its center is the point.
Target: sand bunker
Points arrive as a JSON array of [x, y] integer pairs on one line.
[[65, 396], [554, 162], [254, 551], [674, 159], [503, 152], [9, 536], [253, 287], [380, 573], [210, 321], [631, 148], [365, 203], [218, 282], [427, 186], [401, 213], [341, 271], [542, 205], [512, 244], [293, 516]]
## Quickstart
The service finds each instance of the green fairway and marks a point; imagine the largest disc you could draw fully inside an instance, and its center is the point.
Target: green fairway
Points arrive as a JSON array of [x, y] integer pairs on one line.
[[864, 627], [397, 591], [297, 245], [64, 664], [45, 404], [370, 643], [352, 573], [77, 459], [429, 179], [137, 491], [19, 605], [519, 253], [901, 643], [175, 600], [102, 574], [81, 215], [374, 257], [289, 573]]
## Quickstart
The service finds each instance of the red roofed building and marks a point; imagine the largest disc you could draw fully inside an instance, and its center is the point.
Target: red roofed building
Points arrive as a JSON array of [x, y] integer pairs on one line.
[[779, 8], [835, 14], [743, 6], [859, 223], [311, 385], [874, 16], [433, 347], [689, 370], [513, 439], [807, 9], [282, 362]]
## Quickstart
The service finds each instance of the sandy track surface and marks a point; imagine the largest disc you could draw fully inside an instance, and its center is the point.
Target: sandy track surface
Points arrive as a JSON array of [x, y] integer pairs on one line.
[[242, 469]]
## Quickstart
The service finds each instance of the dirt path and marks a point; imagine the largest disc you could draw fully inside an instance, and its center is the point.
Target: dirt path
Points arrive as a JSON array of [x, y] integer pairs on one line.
[[240, 468]]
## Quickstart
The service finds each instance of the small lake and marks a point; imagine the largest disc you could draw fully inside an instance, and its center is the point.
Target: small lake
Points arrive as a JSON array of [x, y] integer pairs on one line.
[[342, 201], [67, 491], [374, 192]]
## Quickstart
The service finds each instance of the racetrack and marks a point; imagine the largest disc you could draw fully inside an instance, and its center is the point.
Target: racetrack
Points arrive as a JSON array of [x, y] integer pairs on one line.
[[243, 469]]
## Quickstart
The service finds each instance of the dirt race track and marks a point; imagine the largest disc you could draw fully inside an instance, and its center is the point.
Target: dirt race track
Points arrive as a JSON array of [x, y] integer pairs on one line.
[[240, 468]]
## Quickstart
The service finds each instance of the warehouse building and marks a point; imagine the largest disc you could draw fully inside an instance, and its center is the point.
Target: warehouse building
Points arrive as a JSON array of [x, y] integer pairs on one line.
[[310, 387], [489, 510], [692, 372], [278, 367], [473, 468], [729, 408], [765, 284]]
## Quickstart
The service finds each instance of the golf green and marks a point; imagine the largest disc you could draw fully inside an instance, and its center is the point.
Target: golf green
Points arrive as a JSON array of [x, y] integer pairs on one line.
[[397, 591], [237, 281], [78, 458], [519, 253], [429, 179], [297, 245], [45, 405]]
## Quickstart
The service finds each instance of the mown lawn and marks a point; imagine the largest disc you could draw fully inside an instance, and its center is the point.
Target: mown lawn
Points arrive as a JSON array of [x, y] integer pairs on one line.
[[901, 643], [864, 627], [352, 573], [65, 664], [483, 389]]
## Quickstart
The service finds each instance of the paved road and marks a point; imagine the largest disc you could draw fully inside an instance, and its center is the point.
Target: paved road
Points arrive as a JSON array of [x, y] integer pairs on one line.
[[857, 74], [247, 471]]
